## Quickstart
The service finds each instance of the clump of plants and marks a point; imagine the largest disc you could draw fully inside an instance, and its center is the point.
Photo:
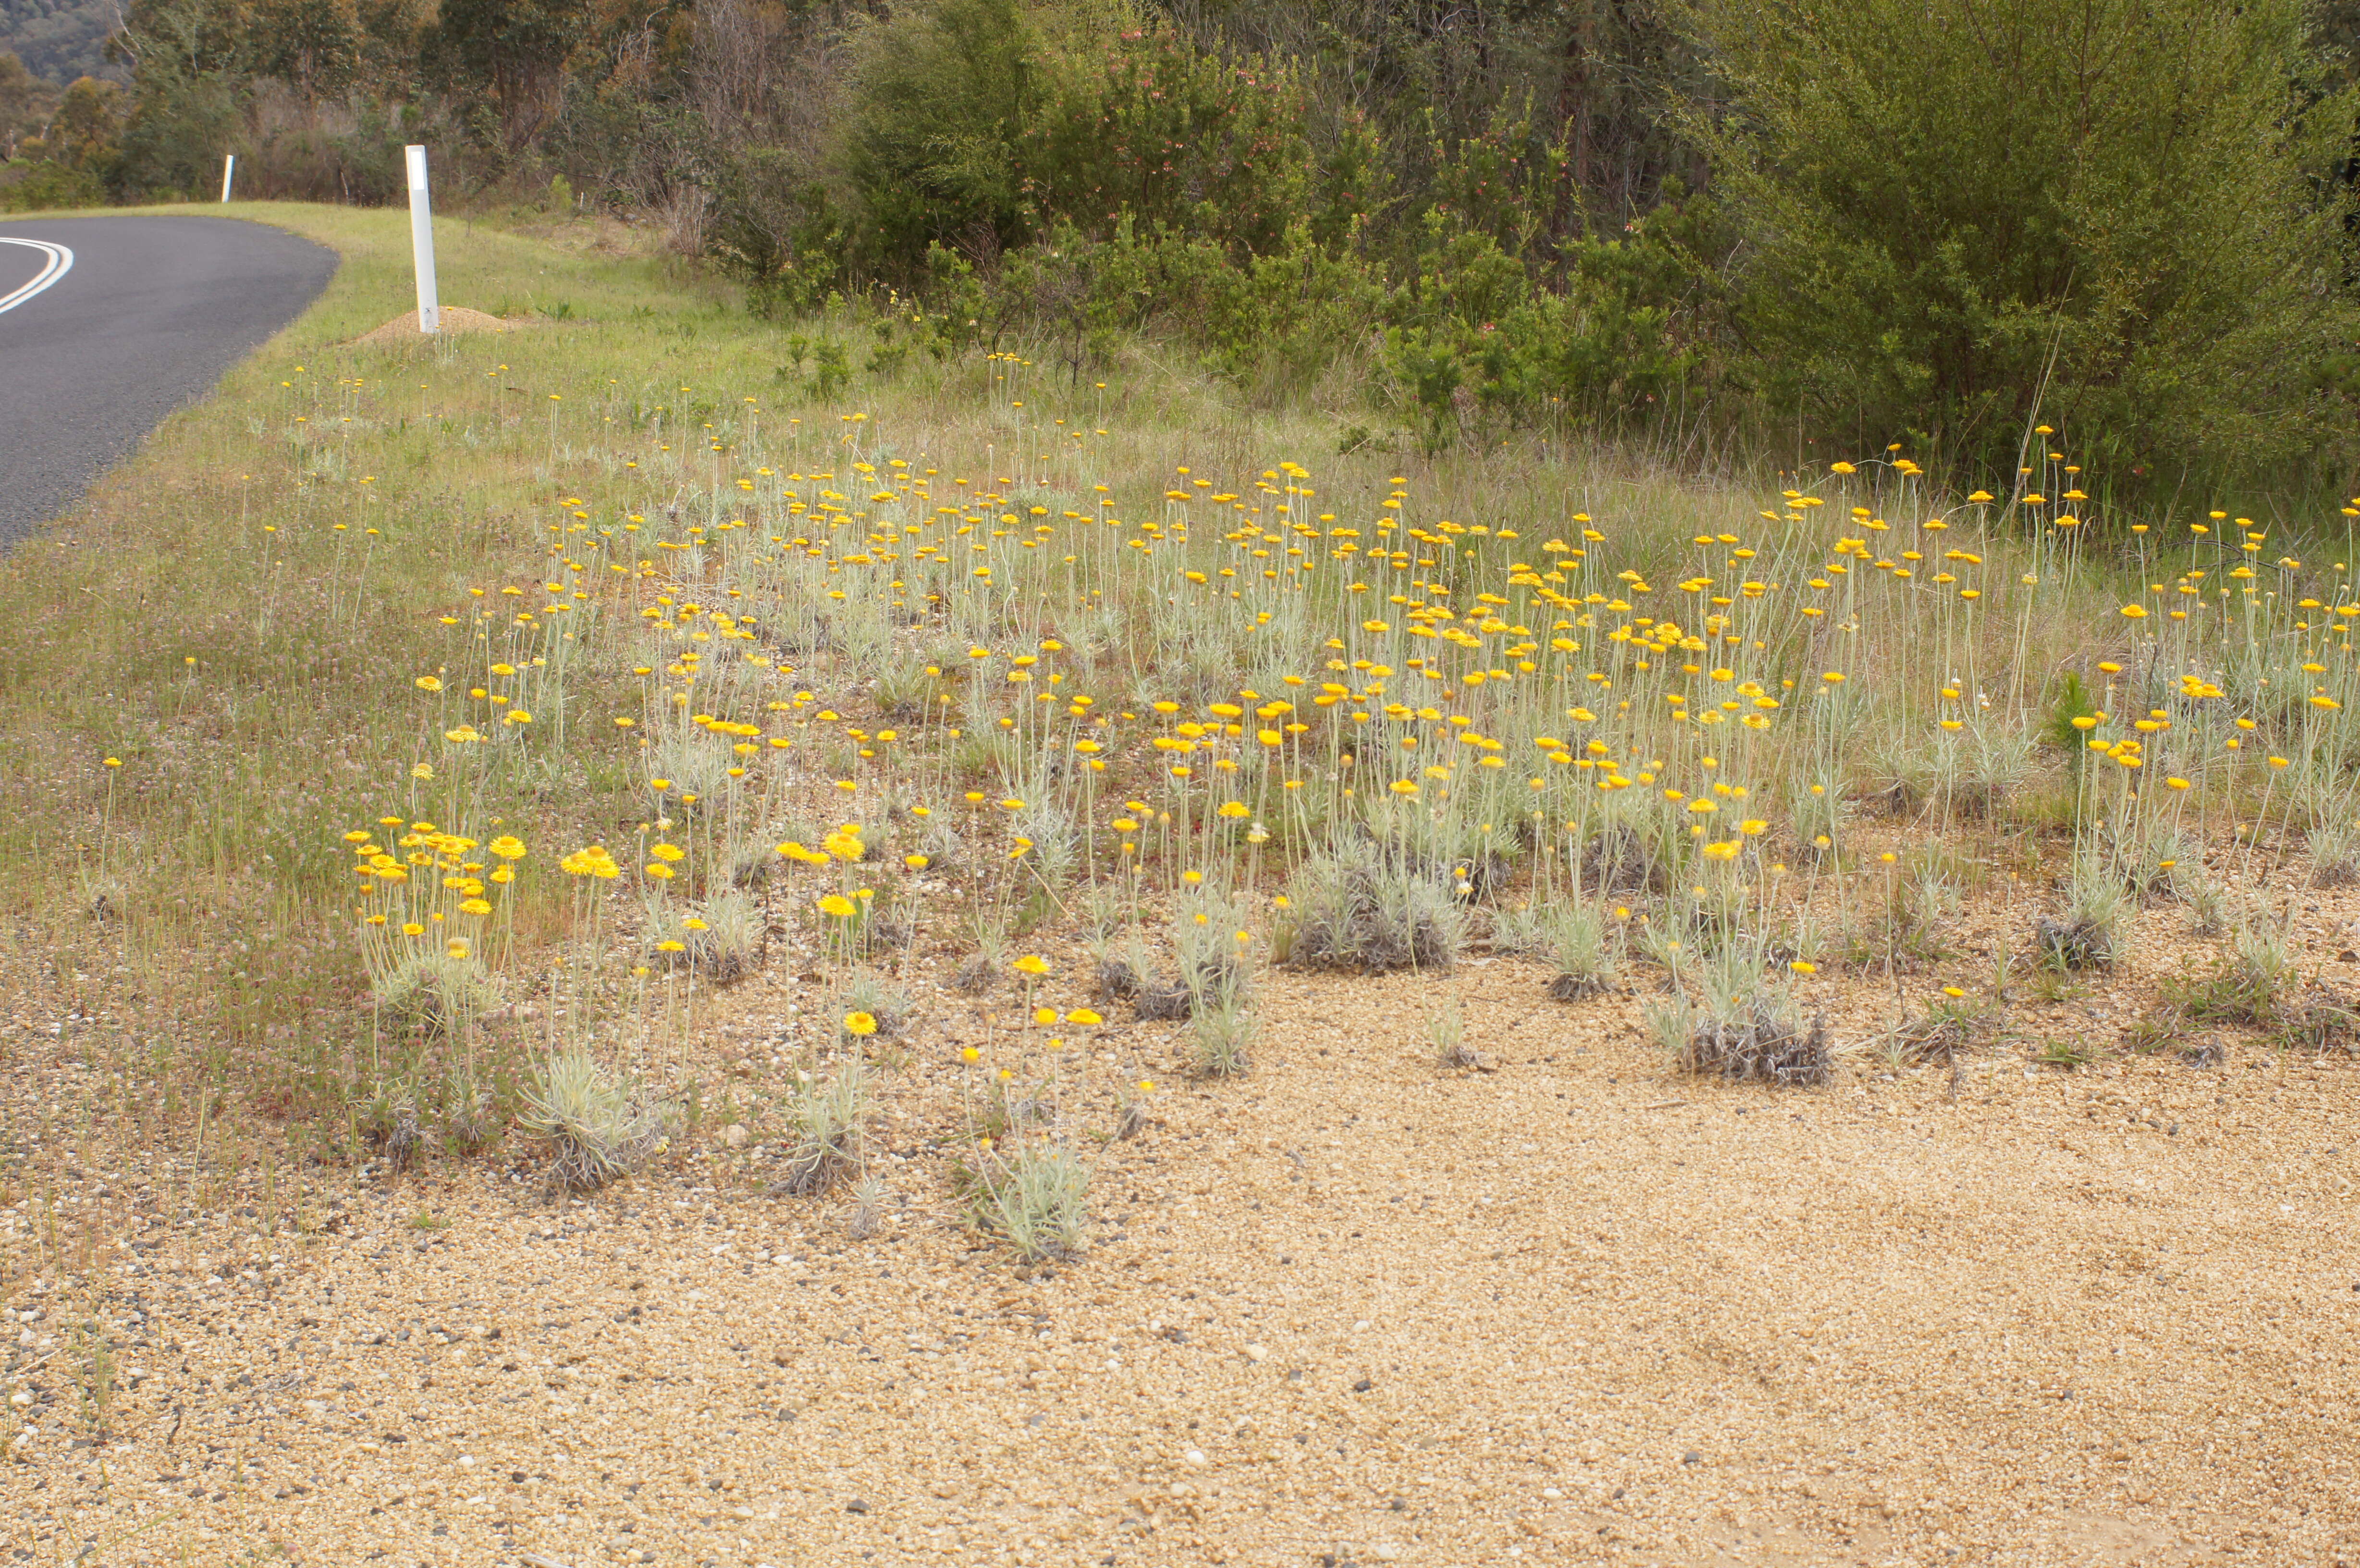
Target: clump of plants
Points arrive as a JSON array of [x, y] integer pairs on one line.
[[1747, 1029], [596, 1127], [866, 1213], [887, 1007], [824, 1120], [2244, 989], [1446, 1037], [1034, 1196], [1617, 860], [2084, 936], [1223, 1033], [1350, 907], [1211, 973], [432, 992], [1577, 937], [2334, 856], [719, 940], [388, 1121]]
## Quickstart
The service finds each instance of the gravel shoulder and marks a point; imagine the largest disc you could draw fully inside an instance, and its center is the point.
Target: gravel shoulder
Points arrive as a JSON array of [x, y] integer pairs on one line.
[[1351, 1308]]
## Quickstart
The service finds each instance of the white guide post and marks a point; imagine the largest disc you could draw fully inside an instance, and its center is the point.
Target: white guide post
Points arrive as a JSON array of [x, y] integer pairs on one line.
[[229, 169], [421, 243]]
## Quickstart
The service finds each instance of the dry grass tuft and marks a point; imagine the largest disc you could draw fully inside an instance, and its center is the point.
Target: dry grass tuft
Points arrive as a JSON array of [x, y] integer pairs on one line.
[[1762, 1045], [1353, 909], [2072, 943]]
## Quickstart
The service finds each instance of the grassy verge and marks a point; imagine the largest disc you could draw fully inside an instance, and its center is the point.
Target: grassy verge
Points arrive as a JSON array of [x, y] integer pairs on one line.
[[407, 715], [238, 614]]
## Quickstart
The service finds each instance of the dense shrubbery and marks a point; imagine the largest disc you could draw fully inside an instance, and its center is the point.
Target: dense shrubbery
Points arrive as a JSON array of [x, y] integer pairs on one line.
[[1607, 215], [2129, 207]]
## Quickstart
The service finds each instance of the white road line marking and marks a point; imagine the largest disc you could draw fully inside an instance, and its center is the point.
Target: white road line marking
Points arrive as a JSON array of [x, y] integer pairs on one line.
[[60, 263]]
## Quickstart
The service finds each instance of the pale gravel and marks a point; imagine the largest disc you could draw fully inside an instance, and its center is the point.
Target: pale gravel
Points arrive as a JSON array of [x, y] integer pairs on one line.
[[1602, 1314]]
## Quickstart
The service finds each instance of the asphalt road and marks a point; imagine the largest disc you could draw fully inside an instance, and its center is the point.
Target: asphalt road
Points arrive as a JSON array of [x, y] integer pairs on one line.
[[147, 318]]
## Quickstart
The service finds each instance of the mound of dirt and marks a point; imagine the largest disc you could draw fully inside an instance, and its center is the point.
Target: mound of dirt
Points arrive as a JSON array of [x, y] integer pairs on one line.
[[455, 319]]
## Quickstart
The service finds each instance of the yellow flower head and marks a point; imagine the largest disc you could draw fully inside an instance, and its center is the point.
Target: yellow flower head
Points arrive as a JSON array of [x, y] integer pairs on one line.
[[859, 1023], [837, 904]]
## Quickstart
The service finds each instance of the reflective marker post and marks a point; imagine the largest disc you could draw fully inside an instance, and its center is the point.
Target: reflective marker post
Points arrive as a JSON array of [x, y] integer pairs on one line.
[[421, 243], [229, 167]]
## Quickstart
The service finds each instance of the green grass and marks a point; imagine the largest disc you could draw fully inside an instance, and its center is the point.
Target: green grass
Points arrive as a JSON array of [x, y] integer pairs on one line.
[[202, 618]]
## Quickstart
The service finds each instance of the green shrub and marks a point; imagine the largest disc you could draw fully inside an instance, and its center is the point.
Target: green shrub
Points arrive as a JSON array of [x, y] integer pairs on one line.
[[1148, 128], [1473, 335], [2126, 205], [775, 227], [35, 185], [942, 97]]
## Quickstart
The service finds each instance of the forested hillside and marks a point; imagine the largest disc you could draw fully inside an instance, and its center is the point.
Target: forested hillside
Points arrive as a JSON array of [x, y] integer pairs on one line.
[[60, 40], [1699, 220]]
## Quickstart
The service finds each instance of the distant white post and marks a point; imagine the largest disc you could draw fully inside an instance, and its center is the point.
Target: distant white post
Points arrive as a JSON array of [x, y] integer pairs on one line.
[[421, 243], [229, 167]]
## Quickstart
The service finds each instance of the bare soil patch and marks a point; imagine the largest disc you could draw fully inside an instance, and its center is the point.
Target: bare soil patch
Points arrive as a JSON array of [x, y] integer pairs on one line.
[[453, 321]]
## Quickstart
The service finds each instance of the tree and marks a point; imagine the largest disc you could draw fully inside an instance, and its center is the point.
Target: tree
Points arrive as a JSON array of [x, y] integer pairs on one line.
[[187, 61], [1958, 211], [88, 122], [25, 104], [313, 46], [941, 96], [516, 49]]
